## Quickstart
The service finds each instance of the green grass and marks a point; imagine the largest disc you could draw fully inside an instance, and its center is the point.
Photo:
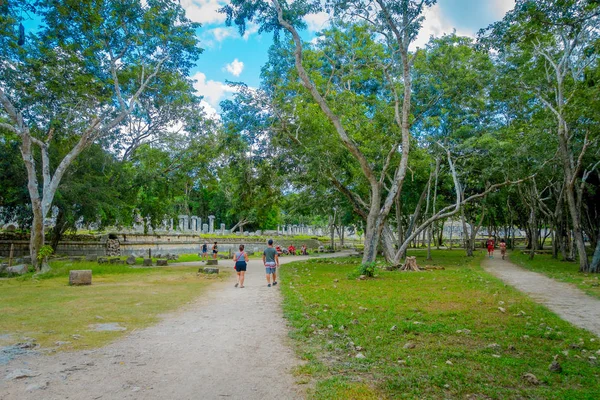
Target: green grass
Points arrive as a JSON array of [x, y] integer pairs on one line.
[[47, 309], [563, 271], [465, 346]]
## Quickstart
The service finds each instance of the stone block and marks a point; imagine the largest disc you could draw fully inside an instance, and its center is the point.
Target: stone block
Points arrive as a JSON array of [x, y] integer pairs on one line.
[[147, 262], [130, 260], [208, 270], [212, 262], [80, 277], [114, 260], [102, 260], [91, 257], [161, 263], [17, 269], [76, 259]]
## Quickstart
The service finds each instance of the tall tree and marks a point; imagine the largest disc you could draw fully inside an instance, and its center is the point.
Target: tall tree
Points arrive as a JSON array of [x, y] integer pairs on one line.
[[82, 74], [550, 46], [401, 21]]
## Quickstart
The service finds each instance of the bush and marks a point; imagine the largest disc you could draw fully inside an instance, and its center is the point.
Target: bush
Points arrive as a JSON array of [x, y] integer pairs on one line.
[[367, 269]]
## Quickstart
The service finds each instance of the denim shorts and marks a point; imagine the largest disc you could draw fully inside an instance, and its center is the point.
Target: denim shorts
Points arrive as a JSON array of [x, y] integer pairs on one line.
[[271, 268]]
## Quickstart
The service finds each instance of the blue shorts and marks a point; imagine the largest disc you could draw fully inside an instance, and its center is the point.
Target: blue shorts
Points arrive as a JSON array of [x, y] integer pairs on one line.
[[271, 268]]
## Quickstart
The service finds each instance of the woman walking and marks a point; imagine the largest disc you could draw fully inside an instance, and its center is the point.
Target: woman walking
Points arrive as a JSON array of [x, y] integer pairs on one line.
[[215, 250], [241, 262]]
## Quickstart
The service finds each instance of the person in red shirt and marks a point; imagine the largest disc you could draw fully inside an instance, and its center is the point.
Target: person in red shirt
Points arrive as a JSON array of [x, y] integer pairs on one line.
[[292, 250], [490, 247]]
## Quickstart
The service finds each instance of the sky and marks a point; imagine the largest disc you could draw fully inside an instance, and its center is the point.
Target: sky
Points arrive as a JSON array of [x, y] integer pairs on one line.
[[228, 56]]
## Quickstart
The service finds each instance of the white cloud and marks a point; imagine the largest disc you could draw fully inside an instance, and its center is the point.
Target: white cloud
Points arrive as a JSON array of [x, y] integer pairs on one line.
[[436, 24], [204, 11], [221, 34], [501, 7], [235, 67], [212, 91], [317, 22], [210, 111]]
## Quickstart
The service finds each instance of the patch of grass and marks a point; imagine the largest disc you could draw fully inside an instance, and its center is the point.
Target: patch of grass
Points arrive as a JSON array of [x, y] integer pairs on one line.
[[563, 271], [435, 334], [47, 309]]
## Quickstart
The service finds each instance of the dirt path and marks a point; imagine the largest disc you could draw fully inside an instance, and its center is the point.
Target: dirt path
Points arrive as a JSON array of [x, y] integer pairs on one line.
[[228, 344], [570, 303]]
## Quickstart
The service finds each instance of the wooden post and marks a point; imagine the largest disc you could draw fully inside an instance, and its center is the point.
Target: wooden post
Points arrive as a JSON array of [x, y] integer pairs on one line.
[[149, 253], [10, 257]]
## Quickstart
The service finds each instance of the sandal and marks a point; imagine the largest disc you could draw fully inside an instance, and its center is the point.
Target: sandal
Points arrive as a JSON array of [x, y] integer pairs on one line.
[[241, 287], [236, 285]]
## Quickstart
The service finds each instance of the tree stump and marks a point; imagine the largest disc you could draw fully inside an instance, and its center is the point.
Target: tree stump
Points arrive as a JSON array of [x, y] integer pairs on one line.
[[410, 264], [80, 277]]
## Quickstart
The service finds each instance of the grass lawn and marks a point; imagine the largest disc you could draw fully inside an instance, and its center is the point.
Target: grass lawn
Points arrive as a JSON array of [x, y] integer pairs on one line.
[[453, 333], [48, 310], [560, 270]]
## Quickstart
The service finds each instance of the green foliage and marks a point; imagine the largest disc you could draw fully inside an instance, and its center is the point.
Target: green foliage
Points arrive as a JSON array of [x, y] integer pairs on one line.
[[45, 252], [366, 269]]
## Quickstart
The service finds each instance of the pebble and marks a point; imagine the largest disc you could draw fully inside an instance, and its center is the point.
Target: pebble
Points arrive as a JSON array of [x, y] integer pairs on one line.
[[410, 345], [393, 328], [502, 309], [360, 355], [449, 362]]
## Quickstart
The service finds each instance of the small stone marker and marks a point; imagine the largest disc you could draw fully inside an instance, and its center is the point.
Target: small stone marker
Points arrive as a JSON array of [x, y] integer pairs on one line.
[[130, 260], [102, 260], [114, 260], [212, 262], [91, 258], [208, 270], [161, 263], [147, 262], [80, 277]]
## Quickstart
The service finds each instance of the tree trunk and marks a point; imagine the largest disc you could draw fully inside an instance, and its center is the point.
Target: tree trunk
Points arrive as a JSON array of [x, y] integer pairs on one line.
[[595, 265], [466, 235], [533, 231]]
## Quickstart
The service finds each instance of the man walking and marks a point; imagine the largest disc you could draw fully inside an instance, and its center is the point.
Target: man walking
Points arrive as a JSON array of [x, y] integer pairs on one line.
[[271, 262]]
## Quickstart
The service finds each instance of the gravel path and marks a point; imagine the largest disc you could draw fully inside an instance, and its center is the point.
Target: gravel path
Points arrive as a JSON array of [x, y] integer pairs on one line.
[[228, 344], [566, 300]]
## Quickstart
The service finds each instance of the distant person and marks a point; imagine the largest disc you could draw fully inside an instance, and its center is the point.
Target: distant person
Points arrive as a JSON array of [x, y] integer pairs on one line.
[[205, 251], [292, 250], [490, 247], [503, 248], [271, 262], [241, 263], [215, 250], [303, 250]]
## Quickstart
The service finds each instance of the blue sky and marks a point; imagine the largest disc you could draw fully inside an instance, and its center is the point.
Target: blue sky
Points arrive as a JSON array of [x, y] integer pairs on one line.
[[230, 57]]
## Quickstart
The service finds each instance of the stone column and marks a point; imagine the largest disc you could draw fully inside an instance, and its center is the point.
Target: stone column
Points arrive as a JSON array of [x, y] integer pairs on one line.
[[278, 230], [211, 224], [193, 223], [204, 228], [222, 229], [181, 225], [171, 224]]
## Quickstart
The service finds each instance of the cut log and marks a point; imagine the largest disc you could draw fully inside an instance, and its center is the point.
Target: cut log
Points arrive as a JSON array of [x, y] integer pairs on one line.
[[410, 264]]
